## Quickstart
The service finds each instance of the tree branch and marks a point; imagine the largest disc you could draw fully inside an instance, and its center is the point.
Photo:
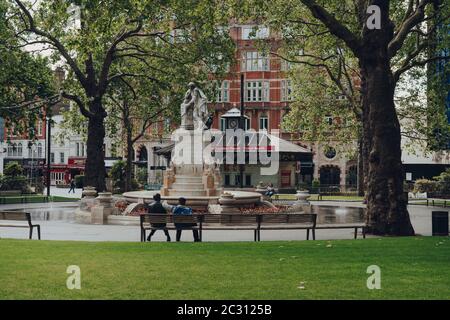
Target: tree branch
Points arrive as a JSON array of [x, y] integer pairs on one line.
[[335, 27], [407, 25], [54, 42], [80, 104]]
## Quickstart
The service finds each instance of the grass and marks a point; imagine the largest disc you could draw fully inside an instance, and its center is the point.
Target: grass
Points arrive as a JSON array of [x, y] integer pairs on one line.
[[411, 268], [34, 199]]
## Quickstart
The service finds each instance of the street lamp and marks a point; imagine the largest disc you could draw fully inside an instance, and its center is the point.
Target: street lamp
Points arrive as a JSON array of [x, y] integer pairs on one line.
[[242, 126], [48, 139]]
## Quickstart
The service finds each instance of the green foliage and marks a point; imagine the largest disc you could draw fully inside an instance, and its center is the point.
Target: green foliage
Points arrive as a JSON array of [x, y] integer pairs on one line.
[[117, 174], [444, 181], [425, 185], [141, 175], [315, 183], [79, 181], [26, 80], [13, 178], [135, 185], [13, 169]]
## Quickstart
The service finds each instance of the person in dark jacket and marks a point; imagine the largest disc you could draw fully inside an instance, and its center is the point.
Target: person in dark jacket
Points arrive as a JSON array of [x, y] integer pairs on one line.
[[182, 209], [72, 186], [158, 208]]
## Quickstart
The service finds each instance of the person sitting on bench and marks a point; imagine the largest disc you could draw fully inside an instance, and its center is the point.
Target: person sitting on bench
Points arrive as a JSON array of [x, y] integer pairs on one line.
[[158, 208], [182, 209]]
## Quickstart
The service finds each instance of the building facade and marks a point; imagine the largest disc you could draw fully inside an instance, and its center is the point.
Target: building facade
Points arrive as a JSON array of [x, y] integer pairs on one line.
[[267, 95]]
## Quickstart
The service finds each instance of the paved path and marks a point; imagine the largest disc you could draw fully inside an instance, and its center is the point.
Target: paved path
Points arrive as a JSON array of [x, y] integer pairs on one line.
[[62, 227], [62, 230], [64, 192]]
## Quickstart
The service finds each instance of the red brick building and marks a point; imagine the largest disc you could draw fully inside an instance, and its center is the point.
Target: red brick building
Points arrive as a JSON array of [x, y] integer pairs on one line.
[[267, 93]]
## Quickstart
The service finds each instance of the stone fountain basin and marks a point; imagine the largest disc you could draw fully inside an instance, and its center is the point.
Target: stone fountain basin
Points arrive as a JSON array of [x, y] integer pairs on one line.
[[241, 198]]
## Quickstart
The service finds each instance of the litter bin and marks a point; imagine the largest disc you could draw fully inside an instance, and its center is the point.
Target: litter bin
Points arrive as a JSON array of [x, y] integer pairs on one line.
[[439, 223]]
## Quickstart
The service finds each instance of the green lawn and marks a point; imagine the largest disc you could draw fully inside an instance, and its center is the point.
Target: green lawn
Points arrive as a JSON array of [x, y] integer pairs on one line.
[[411, 268], [34, 199]]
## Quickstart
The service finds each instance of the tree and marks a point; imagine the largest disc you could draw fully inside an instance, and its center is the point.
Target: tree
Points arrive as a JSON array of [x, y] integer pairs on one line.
[[387, 38], [26, 81], [103, 34]]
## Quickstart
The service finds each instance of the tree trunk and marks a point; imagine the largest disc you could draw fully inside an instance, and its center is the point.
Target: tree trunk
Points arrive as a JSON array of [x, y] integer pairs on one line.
[[95, 172], [387, 212], [360, 171], [365, 134]]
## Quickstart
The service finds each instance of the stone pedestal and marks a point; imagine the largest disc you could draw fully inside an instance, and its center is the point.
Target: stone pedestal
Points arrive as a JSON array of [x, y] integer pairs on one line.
[[192, 171]]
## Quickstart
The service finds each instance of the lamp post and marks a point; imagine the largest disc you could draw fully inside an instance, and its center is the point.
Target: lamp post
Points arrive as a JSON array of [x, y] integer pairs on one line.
[[242, 126], [49, 141]]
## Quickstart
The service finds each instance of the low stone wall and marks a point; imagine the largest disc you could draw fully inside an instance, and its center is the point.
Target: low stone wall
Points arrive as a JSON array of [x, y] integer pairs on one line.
[[123, 220]]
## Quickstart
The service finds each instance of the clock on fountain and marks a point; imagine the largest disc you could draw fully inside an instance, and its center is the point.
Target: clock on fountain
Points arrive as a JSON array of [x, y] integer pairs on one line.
[[233, 123]]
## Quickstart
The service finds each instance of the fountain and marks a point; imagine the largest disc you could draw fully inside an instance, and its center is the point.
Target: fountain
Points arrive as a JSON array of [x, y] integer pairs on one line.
[[193, 173]]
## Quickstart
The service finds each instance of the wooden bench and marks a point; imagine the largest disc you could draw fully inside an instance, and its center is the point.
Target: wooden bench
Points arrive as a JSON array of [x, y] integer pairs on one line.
[[19, 216], [229, 221], [354, 226], [288, 221], [155, 222]]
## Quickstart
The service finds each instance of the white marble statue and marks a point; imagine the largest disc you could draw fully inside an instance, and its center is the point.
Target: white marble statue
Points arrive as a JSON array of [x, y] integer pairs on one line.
[[194, 109]]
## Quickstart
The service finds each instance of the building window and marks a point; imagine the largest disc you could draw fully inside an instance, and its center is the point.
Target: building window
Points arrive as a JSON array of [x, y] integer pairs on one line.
[[263, 123], [61, 157], [39, 150], [227, 179], [167, 124], [19, 150], [11, 149], [39, 127], [83, 148], [223, 124], [255, 61], [257, 91], [52, 157], [285, 65], [329, 120], [223, 92], [330, 152], [286, 90], [248, 180], [78, 149], [247, 124], [255, 32], [237, 180]]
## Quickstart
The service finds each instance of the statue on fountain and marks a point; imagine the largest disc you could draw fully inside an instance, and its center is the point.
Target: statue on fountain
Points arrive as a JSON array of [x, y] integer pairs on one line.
[[194, 109]]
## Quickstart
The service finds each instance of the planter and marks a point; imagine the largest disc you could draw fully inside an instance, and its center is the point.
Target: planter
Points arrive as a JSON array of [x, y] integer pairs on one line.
[[89, 192], [105, 199], [302, 195]]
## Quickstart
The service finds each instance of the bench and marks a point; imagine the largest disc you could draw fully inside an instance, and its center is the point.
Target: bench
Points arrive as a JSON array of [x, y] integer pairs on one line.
[[354, 226], [19, 216], [151, 221], [288, 221], [230, 221]]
